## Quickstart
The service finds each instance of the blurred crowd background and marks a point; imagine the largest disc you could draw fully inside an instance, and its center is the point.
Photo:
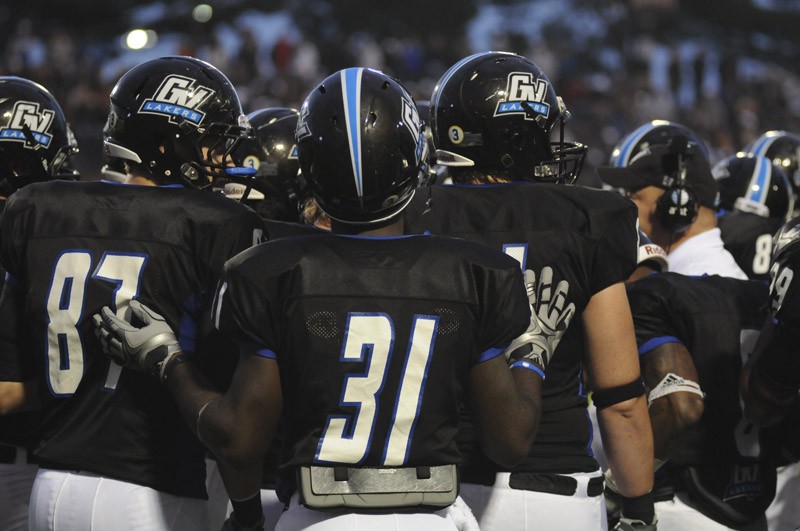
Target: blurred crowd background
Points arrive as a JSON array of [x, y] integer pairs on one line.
[[729, 69]]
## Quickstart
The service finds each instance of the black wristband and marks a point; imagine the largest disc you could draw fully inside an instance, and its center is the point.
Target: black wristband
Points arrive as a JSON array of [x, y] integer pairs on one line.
[[639, 508], [248, 512]]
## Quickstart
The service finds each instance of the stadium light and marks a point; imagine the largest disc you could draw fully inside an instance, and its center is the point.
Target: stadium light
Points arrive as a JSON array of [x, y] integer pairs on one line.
[[202, 12], [138, 39]]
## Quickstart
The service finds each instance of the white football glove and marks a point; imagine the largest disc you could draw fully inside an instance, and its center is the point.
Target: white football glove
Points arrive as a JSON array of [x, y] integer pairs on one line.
[[148, 349], [550, 317]]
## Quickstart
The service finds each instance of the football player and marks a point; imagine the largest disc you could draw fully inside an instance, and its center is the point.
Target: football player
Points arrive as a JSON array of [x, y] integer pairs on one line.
[[492, 116], [368, 339], [694, 335], [755, 200], [664, 168], [770, 381], [36, 144], [783, 149], [276, 189], [112, 450]]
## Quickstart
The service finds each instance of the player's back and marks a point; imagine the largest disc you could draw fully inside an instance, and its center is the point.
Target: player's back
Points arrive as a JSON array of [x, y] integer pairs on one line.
[[76, 247], [588, 237], [375, 338], [748, 237]]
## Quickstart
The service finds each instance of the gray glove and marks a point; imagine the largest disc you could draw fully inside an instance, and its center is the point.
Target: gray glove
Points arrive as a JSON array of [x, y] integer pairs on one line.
[[550, 317], [148, 349]]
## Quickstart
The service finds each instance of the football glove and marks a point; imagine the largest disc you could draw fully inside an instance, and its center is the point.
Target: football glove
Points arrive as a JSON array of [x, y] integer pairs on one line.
[[550, 317], [231, 524], [148, 349]]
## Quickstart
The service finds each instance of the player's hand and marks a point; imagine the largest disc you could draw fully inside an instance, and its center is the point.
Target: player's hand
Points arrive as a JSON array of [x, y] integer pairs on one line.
[[231, 524], [550, 317], [148, 349]]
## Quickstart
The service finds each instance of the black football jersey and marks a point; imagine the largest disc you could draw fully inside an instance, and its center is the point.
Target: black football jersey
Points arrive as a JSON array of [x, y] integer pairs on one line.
[[17, 428], [785, 285], [748, 237], [589, 238], [374, 337], [71, 248]]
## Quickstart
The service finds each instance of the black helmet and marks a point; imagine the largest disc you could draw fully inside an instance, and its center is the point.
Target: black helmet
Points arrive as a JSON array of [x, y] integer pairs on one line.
[[361, 145], [35, 139], [654, 133], [786, 241], [277, 188], [496, 111], [751, 183], [783, 149], [178, 118]]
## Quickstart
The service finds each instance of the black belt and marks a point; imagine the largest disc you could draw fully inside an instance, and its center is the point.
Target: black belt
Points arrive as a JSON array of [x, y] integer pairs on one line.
[[553, 483]]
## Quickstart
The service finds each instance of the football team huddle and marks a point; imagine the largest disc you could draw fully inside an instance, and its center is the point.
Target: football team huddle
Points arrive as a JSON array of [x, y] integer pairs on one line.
[[376, 313]]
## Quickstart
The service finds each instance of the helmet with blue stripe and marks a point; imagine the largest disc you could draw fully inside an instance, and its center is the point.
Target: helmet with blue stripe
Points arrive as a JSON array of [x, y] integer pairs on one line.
[[361, 146], [783, 149], [755, 184], [653, 133]]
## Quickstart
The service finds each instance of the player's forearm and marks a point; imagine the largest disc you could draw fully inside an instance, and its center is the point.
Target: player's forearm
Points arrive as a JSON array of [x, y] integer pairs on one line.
[[671, 417], [196, 399], [509, 438], [628, 444], [17, 396]]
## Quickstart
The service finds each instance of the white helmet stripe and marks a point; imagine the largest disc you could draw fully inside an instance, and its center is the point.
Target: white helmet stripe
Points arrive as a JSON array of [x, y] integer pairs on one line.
[[351, 96]]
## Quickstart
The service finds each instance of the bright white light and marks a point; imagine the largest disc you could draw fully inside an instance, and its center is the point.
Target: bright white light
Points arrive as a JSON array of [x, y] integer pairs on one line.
[[138, 39], [202, 12]]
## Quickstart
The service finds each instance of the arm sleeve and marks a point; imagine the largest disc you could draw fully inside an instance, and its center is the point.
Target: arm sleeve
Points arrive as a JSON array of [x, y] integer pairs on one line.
[[617, 249], [653, 319], [226, 239], [248, 312]]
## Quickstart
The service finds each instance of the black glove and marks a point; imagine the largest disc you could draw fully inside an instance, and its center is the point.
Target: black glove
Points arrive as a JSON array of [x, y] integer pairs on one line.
[[148, 349], [550, 317], [231, 524], [628, 514]]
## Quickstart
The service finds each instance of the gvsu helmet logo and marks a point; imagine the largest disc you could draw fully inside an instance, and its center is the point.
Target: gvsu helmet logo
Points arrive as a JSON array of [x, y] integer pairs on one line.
[[178, 98], [414, 126], [524, 95], [29, 125]]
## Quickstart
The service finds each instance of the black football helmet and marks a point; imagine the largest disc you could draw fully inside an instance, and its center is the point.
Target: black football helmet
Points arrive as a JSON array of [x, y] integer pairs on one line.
[[496, 111], [277, 188], [36, 141], [783, 149], [361, 146], [750, 183], [655, 132], [786, 241], [177, 118]]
